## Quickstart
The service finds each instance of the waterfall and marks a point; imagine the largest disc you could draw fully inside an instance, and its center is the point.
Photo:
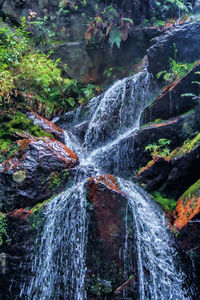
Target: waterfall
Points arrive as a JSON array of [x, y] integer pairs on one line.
[[58, 267]]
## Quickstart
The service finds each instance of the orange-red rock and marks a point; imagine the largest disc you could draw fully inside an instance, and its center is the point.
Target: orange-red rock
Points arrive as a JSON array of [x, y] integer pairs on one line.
[[187, 207], [35, 172], [46, 125]]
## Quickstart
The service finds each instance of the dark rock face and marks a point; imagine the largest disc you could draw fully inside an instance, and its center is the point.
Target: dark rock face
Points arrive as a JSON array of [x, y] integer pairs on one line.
[[186, 39], [47, 126], [155, 174], [170, 103], [13, 255], [188, 240], [35, 172], [175, 176], [106, 237]]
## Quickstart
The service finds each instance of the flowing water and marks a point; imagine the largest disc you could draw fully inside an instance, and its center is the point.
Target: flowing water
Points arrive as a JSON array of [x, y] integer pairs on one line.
[[58, 267], [160, 272]]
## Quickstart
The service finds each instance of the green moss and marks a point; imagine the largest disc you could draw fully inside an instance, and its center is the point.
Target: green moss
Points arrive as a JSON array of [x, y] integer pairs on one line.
[[56, 179], [36, 218], [10, 127], [3, 229], [187, 147], [166, 203], [101, 287], [193, 190]]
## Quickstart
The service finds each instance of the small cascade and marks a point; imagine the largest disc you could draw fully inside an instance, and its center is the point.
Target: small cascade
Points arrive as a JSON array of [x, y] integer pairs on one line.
[[59, 263], [119, 110], [160, 270]]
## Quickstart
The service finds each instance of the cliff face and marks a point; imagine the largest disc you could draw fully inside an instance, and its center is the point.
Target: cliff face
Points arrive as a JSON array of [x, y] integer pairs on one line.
[[75, 35]]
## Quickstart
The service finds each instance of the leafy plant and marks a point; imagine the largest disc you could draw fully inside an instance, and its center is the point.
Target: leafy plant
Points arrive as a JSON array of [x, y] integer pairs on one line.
[[108, 23], [177, 70], [172, 8], [166, 203], [160, 148]]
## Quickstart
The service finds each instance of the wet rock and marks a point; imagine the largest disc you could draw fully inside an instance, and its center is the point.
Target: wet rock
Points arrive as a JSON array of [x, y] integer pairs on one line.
[[186, 39], [188, 239], [170, 103], [188, 206], [106, 236], [153, 31], [46, 125], [173, 176], [155, 173], [21, 214], [34, 173], [15, 264]]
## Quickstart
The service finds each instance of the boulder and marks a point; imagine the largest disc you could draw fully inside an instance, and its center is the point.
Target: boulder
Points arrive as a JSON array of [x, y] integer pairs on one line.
[[186, 39], [187, 223], [106, 236], [46, 125], [16, 254], [171, 176], [170, 103], [154, 174], [34, 173], [188, 206]]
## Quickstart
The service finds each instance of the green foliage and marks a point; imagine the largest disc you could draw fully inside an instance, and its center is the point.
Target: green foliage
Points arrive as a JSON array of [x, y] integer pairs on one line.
[[177, 70], [36, 76], [187, 147], [12, 125], [36, 72], [172, 8], [101, 287], [166, 203], [107, 23], [191, 94], [160, 148], [192, 190], [3, 230]]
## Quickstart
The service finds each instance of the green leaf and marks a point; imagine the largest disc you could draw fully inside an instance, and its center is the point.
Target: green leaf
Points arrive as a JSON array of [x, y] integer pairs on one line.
[[115, 37], [188, 95], [128, 20], [71, 101]]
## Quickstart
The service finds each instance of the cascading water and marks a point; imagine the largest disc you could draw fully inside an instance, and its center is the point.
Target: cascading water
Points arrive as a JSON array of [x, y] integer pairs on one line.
[[58, 269], [159, 268], [59, 264]]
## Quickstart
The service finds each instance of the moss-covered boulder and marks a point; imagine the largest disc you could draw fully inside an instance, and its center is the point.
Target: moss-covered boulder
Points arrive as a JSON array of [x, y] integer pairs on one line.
[[187, 222], [46, 125], [170, 103], [37, 170], [187, 206], [175, 172]]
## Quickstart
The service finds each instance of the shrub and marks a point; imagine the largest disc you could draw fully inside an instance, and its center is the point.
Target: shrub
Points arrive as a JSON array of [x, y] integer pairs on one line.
[[166, 203]]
